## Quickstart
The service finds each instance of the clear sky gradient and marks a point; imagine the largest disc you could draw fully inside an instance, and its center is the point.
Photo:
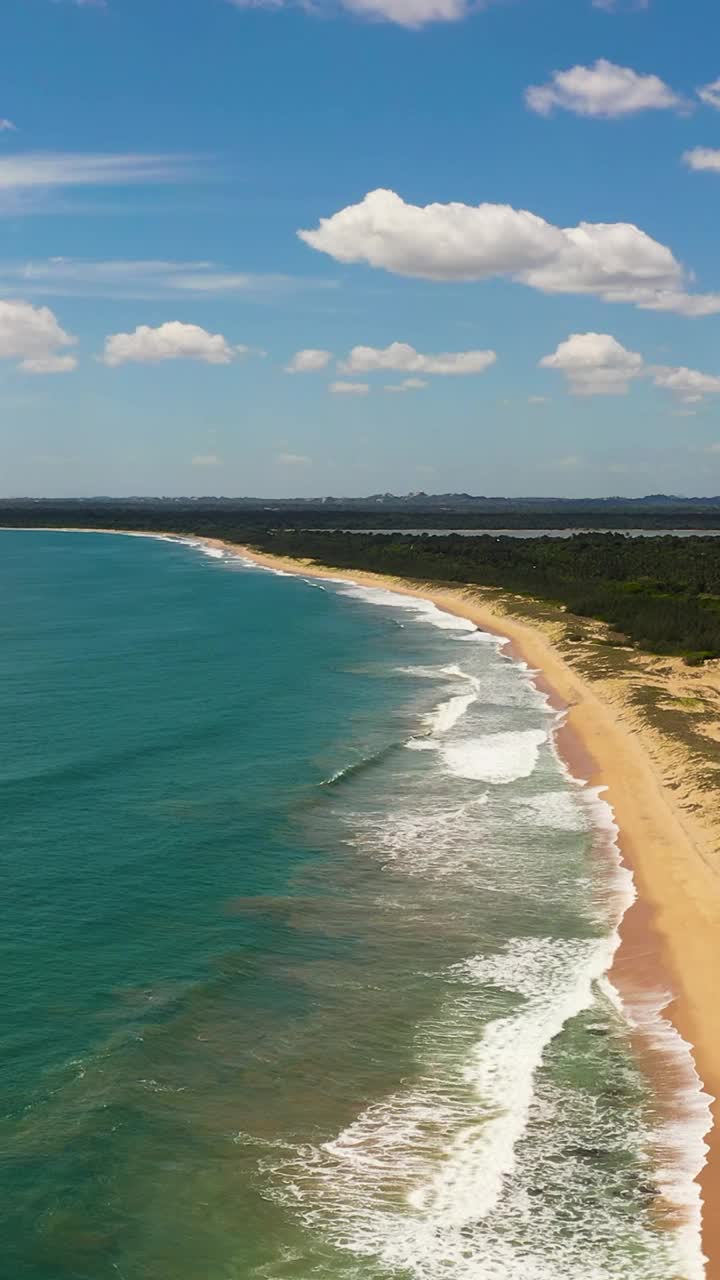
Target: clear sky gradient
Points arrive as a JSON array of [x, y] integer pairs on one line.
[[159, 157]]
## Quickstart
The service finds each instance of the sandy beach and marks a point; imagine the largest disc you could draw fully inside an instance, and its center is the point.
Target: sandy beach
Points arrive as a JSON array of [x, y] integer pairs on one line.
[[662, 789], [647, 729]]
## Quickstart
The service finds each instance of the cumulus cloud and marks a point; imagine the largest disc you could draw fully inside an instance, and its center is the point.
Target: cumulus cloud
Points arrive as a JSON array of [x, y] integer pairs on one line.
[[603, 90], [688, 384], [702, 158], [309, 360], [349, 388], [400, 357], [615, 261], [404, 13], [33, 337], [710, 94], [410, 13], [407, 384], [595, 364], [170, 341]]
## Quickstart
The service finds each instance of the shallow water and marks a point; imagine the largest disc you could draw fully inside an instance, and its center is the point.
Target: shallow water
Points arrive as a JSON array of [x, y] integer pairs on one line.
[[306, 929]]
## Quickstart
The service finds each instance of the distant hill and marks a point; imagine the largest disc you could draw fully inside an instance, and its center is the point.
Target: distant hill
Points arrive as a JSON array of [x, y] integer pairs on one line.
[[239, 517], [390, 501]]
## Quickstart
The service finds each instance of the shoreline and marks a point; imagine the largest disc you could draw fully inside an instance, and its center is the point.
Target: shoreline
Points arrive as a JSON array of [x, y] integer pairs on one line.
[[658, 994], [663, 967]]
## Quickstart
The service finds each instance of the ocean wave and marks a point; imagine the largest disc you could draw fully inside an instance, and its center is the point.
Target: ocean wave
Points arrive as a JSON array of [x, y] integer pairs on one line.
[[558, 810], [358, 766], [437, 1178], [497, 758], [425, 610], [445, 716]]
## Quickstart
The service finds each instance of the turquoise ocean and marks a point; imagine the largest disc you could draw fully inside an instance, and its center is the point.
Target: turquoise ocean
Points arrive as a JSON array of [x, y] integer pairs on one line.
[[305, 940]]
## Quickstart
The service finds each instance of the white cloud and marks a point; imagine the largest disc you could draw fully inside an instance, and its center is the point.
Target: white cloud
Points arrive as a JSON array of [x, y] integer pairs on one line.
[[615, 261], [603, 90], [411, 14], [612, 6], [33, 337], [407, 384], [49, 364], [206, 460], [150, 278], [595, 364], [293, 460], [7, 126], [400, 357], [538, 401], [349, 388], [702, 158], [170, 341], [710, 94], [309, 360], [75, 169], [689, 384]]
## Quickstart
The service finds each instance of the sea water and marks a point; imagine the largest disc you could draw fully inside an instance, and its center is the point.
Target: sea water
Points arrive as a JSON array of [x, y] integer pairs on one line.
[[305, 945]]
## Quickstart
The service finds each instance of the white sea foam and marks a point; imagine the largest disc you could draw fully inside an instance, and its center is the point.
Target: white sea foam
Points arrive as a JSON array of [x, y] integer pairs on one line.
[[425, 1180], [497, 758], [560, 810], [425, 610], [680, 1143], [444, 717]]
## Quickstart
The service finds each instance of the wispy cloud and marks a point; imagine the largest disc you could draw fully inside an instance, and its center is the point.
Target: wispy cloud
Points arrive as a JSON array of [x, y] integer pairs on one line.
[[349, 388], [619, 6], [68, 277], [293, 460], [80, 169], [27, 179], [7, 126]]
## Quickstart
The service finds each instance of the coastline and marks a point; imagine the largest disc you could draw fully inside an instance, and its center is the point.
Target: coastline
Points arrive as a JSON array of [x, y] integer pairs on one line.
[[664, 967]]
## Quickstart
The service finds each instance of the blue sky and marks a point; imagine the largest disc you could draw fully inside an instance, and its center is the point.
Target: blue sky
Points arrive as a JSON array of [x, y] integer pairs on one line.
[[536, 278]]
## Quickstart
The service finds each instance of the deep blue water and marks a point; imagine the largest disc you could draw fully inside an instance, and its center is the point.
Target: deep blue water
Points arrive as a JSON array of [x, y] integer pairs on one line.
[[303, 942]]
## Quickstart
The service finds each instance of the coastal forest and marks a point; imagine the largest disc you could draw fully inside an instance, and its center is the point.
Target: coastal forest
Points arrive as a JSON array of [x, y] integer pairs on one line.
[[661, 593]]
